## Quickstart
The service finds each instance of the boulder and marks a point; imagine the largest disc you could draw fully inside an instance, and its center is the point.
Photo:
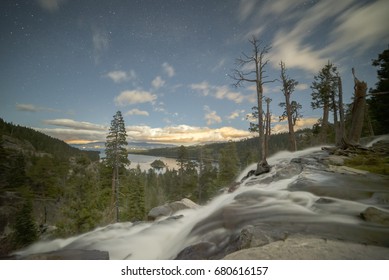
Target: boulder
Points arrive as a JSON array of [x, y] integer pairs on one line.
[[375, 215], [311, 248], [171, 208], [159, 211]]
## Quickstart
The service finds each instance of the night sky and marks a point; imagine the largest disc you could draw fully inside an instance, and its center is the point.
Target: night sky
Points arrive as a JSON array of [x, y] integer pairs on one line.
[[67, 66]]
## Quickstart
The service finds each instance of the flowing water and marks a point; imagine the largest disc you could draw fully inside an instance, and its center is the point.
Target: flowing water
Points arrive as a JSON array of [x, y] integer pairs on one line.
[[297, 196]]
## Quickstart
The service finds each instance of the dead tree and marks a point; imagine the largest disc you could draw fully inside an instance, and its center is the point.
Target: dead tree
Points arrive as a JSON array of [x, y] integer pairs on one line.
[[288, 86], [358, 110], [256, 61], [268, 123]]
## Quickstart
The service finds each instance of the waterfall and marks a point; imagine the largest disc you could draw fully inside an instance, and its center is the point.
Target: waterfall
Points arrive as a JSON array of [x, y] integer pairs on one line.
[[299, 195]]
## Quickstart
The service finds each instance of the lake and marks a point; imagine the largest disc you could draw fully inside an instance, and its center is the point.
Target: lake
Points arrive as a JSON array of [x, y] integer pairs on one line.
[[145, 161]]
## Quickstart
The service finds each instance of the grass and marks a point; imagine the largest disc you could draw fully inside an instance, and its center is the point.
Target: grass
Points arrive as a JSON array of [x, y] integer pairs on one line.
[[370, 162]]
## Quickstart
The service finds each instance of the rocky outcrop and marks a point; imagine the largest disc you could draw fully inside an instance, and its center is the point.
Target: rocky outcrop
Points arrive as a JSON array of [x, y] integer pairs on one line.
[[70, 255], [377, 216], [171, 208], [311, 248]]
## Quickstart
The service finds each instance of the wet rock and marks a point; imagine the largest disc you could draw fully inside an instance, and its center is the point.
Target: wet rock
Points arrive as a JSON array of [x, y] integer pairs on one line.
[[171, 208], [323, 200], [70, 255], [159, 211], [199, 251], [288, 171], [311, 248], [260, 235], [374, 215], [336, 160]]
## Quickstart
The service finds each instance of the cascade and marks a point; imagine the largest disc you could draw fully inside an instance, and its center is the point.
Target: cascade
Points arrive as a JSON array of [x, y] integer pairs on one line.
[[300, 195]]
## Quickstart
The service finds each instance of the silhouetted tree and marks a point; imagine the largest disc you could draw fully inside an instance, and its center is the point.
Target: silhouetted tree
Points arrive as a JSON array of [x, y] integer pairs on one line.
[[116, 155], [324, 88], [257, 61], [288, 86], [379, 100]]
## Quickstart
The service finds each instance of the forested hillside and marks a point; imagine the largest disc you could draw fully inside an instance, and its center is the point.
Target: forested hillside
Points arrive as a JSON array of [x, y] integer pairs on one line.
[[42, 142]]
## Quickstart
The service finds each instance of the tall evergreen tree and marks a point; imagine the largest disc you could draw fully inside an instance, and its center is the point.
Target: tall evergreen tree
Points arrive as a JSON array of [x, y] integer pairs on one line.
[[228, 164], [324, 88], [116, 155], [136, 195], [26, 231], [288, 86], [379, 101]]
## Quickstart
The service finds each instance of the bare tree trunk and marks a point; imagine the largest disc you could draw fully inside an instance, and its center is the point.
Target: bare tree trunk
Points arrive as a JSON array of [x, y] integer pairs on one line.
[[113, 203], [117, 193], [342, 129], [262, 151], [292, 137], [324, 126], [268, 123], [358, 111]]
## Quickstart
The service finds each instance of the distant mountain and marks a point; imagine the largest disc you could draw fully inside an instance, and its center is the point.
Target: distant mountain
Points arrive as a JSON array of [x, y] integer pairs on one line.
[[100, 146]]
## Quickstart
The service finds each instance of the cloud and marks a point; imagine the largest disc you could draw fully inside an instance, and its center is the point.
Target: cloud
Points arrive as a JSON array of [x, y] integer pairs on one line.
[[137, 112], [33, 108], [302, 87], [130, 97], [100, 40], [235, 114], [75, 136], [184, 134], [300, 124], [246, 8], [168, 69], [50, 5], [158, 82], [342, 25], [220, 92], [75, 132], [121, 76], [301, 21], [69, 123], [211, 116], [360, 27], [219, 65]]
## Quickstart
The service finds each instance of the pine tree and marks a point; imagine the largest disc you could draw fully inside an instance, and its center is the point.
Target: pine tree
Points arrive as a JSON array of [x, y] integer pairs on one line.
[[228, 164], [379, 102], [288, 86], [26, 231], [324, 89], [136, 196], [116, 155]]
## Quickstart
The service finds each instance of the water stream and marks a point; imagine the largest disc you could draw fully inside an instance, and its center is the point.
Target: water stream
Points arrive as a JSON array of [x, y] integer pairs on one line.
[[297, 196]]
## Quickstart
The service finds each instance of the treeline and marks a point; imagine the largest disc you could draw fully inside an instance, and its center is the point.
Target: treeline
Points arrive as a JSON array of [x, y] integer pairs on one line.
[[37, 172], [248, 148]]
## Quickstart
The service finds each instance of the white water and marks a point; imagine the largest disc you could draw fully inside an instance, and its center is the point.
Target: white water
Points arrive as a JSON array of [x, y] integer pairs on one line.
[[257, 203]]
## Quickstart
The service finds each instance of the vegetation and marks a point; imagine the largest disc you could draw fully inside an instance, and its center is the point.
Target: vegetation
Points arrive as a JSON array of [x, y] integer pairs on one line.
[[116, 155], [370, 162], [379, 101], [324, 89], [291, 107]]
